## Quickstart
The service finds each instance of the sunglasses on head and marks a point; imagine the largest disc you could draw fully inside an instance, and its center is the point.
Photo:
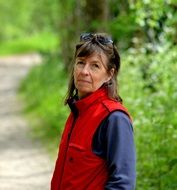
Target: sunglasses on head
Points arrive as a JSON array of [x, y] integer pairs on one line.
[[101, 39]]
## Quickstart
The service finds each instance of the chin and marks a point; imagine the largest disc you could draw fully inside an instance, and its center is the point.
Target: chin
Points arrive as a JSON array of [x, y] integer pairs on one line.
[[83, 94]]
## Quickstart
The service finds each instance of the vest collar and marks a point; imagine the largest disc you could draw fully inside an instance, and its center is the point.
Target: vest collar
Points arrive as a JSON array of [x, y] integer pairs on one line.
[[78, 106]]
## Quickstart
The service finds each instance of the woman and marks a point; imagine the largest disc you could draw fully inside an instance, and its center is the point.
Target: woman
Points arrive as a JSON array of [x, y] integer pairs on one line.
[[97, 148]]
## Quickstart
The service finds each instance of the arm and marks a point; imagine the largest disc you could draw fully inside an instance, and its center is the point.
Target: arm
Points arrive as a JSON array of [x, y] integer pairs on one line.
[[114, 142]]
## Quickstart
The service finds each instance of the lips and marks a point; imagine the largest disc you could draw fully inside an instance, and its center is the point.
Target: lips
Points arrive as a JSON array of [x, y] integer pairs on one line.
[[83, 81]]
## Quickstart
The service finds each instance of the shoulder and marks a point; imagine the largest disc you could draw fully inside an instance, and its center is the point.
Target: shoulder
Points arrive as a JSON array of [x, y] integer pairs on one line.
[[115, 106], [118, 115], [116, 127], [118, 120]]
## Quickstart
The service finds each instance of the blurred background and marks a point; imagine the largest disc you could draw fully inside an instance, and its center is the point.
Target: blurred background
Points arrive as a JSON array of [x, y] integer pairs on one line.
[[146, 34]]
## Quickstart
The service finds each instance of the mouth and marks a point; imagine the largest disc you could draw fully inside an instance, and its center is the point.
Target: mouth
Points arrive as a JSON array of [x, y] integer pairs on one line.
[[83, 81]]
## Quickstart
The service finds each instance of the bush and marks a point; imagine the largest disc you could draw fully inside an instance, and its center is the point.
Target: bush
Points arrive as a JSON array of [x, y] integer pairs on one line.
[[150, 90]]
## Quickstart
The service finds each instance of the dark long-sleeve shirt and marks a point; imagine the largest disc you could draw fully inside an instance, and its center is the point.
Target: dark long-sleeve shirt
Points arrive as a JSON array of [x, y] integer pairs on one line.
[[113, 141]]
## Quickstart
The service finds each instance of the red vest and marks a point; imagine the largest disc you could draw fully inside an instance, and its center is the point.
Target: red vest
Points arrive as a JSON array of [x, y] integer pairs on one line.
[[77, 167]]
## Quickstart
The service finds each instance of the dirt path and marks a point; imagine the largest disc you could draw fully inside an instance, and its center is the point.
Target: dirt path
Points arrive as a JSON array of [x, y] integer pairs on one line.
[[24, 164]]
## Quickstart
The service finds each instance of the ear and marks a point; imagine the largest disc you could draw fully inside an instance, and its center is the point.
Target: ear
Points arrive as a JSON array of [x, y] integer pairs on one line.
[[111, 73]]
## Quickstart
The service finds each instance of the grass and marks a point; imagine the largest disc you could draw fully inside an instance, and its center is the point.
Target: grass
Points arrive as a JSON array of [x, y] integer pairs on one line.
[[41, 42]]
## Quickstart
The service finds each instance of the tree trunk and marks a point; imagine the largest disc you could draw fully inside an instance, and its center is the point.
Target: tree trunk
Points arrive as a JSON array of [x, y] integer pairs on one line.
[[79, 17], [96, 15]]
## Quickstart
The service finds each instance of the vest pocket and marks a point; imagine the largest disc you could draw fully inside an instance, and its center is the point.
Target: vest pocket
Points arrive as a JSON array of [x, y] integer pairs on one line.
[[75, 156], [76, 147]]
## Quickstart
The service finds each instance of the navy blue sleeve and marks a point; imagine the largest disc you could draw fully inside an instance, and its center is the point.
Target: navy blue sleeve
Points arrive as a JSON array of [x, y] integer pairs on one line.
[[114, 142]]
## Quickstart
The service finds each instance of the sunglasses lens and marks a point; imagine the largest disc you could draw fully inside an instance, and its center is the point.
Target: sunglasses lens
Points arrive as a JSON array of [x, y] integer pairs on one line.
[[101, 39], [105, 40], [86, 37]]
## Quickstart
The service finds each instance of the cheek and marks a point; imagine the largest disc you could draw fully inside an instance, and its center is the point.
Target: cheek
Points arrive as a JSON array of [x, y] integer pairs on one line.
[[102, 78], [98, 81]]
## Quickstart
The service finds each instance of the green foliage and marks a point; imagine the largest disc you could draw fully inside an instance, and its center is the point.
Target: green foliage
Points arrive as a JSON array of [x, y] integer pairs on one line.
[[28, 26], [41, 42], [152, 102], [27, 17], [123, 34], [156, 23], [13, 19]]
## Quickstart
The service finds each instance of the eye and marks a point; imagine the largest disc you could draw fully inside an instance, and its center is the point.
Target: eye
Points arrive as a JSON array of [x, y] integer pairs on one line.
[[96, 65], [79, 62]]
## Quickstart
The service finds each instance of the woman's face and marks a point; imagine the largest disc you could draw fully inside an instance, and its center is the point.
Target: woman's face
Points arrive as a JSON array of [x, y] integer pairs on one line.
[[90, 73]]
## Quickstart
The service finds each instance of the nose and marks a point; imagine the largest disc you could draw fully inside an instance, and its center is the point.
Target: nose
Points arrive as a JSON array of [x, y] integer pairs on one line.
[[85, 70]]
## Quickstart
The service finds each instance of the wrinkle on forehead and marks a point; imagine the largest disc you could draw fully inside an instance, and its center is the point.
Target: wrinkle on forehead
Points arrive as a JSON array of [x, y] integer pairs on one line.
[[87, 49], [103, 58]]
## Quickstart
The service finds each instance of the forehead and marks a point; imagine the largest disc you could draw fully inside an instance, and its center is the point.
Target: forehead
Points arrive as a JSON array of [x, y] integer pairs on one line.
[[87, 49], [95, 57]]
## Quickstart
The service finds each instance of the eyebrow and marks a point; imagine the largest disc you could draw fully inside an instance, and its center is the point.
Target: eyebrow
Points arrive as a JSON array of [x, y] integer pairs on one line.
[[94, 61]]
